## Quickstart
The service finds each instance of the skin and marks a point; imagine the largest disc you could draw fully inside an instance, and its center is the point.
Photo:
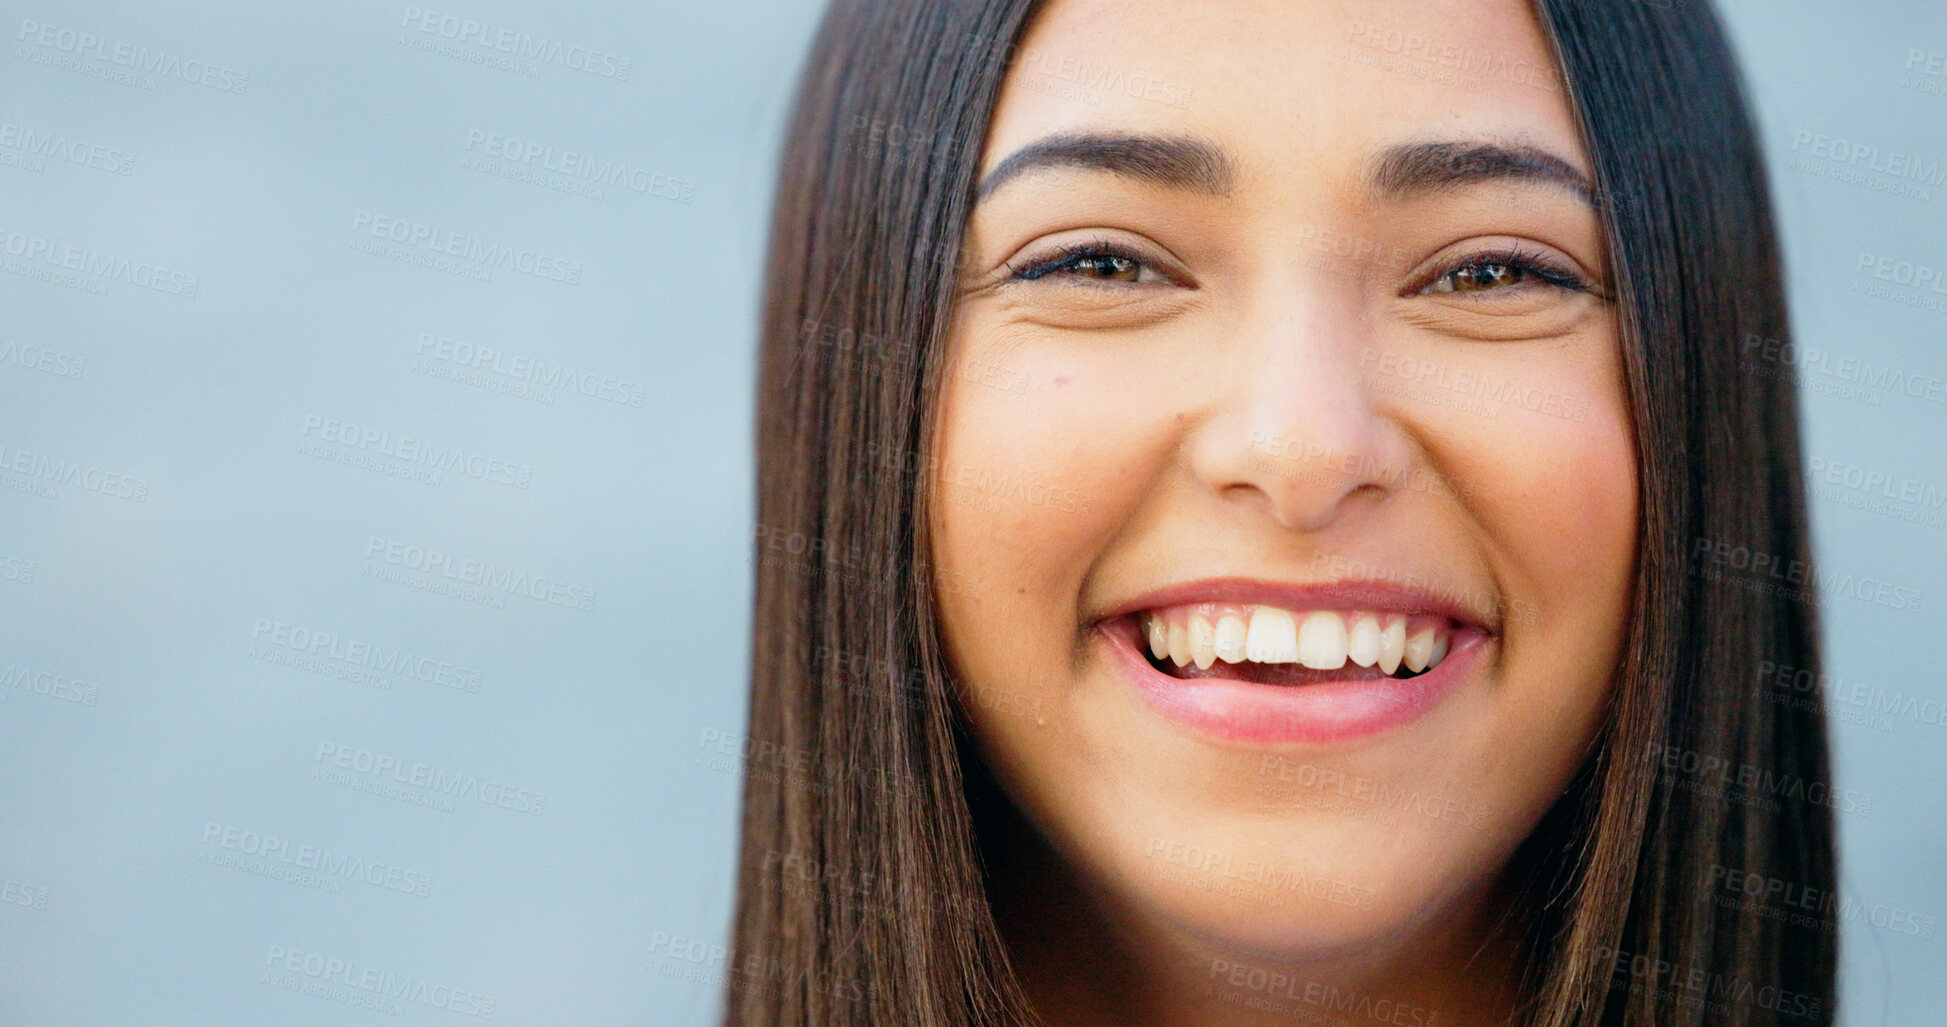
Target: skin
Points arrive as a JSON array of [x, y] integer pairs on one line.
[[1244, 408]]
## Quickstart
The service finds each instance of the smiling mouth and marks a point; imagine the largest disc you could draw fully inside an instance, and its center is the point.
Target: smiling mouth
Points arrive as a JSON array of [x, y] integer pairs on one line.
[[1275, 646]]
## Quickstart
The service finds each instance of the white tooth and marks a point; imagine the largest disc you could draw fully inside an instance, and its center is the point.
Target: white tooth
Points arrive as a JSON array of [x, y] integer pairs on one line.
[[1441, 639], [1272, 636], [1364, 645], [1321, 641], [1419, 649], [1179, 644], [1231, 632], [1201, 637], [1392, 644], [1159, 637]]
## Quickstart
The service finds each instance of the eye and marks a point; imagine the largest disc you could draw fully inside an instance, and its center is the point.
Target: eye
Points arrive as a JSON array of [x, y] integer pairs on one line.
[[1503, 271], [1092, 263]]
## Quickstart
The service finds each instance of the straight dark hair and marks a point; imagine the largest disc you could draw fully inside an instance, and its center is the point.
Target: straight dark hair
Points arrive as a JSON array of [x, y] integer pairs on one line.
[[860, 894]]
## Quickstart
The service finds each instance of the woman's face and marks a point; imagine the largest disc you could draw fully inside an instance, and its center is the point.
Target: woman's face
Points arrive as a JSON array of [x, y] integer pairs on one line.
[[1285, 335]]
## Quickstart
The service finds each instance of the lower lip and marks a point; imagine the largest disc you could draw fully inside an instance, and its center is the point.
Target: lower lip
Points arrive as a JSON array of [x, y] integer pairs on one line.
[[1327, 711]]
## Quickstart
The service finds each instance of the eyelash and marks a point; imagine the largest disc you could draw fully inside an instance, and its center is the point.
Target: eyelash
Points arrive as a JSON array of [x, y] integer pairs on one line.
[[1074, 253], [1530, 264]]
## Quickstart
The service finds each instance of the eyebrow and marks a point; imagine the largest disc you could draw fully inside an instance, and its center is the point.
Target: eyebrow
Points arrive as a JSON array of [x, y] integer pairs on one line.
[[1416, 169], [1401, 172], [1177, 162]]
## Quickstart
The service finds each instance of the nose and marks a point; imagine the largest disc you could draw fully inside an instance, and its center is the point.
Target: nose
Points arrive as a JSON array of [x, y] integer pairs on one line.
[[1292, 427]]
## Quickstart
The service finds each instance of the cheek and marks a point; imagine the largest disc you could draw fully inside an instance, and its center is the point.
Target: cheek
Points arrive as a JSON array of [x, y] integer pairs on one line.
[[1577, 507], [1039, 459], [1547, 471], [1553, 496]]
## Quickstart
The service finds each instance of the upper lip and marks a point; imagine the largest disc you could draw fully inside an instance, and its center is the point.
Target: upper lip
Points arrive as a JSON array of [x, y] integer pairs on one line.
[[1364, 594]]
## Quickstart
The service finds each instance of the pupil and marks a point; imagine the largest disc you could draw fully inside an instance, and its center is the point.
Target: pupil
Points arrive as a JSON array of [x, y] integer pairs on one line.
[[1111, 266], [1487, 275]]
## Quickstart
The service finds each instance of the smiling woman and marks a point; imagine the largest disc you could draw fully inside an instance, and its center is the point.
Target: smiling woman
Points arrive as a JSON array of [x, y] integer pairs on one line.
[[1248, 579]]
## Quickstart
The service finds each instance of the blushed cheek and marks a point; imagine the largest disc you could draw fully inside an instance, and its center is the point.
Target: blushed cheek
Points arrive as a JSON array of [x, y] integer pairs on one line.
[[1567, 531], [1031, 485], [1040, 465], [1589, 502], [1552, 483]]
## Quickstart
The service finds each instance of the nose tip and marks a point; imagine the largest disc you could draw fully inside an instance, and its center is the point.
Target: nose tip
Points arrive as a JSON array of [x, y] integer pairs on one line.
[[1304, 440], [1304, 481]]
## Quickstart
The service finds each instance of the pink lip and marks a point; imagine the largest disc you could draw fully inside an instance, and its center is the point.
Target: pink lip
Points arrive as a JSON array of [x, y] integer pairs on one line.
[[1327, 711]]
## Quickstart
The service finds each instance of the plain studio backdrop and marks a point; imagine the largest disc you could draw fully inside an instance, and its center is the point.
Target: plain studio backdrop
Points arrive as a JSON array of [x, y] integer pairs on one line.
[[376, 517]]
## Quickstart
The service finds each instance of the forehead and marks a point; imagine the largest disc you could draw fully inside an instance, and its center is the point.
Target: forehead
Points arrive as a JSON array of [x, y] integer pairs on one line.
[[1300, 93]]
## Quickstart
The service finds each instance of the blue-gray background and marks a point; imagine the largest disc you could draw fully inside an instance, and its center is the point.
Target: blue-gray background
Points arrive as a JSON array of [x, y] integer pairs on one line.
[[225, 794]]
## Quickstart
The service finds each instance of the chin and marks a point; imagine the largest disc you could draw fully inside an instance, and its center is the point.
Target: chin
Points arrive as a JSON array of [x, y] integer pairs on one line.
[[1316, 889]]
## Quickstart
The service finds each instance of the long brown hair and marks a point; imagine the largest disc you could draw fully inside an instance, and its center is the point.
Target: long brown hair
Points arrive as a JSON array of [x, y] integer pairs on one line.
[[860, 896]]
